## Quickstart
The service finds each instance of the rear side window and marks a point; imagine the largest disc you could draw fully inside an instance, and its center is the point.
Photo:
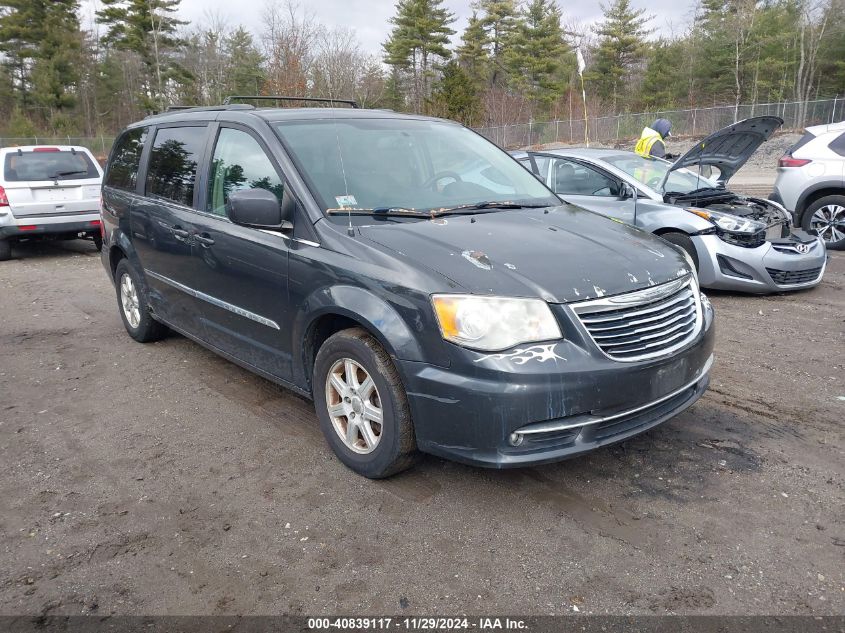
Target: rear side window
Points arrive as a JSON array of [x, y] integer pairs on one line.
[[801, 143], [126, 156], [48, 164], [838, 144], [172, 171]]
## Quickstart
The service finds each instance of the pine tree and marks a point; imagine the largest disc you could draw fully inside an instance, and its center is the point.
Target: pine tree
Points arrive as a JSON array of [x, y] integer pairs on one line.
[[420, 36], [149, 29], [245, 74], [455, 97], [41, 42], [663, 83], [537, 55], [473, 54], [622, 45], [499, 19], [56, 69]]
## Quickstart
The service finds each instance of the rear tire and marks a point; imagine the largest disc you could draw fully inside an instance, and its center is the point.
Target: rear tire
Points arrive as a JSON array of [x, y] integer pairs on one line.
[[5, 250], [98, 242], [133, 306], [362, 406], [825, 216], [685, 242]]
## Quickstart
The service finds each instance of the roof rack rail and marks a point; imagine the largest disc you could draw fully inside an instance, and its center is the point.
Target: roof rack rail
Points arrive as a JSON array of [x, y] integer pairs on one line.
[[229, 99], [215, 108]]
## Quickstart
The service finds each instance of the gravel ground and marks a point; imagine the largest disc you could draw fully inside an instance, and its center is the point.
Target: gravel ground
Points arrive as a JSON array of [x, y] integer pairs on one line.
[[161, 479]]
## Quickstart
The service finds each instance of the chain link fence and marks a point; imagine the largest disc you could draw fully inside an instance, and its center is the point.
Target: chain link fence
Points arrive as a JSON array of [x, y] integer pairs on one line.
[[692, 122]]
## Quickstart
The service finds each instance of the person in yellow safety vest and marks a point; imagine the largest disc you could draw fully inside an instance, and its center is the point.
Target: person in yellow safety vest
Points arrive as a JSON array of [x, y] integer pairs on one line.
[[651, 143]]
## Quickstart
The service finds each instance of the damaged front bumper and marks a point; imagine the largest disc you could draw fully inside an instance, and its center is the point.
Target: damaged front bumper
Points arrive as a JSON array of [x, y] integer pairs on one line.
[[548, 402], [775, 266]]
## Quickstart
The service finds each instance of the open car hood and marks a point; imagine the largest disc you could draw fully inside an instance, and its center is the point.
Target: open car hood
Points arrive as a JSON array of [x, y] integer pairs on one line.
[[729, 148]]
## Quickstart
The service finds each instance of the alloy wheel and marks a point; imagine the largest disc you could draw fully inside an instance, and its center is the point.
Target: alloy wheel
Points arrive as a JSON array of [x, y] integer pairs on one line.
[[829, 222], [129, 301], [354, 406]]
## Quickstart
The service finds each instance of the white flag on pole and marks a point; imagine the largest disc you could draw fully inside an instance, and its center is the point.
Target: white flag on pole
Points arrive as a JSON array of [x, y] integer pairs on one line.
[[580, 57]]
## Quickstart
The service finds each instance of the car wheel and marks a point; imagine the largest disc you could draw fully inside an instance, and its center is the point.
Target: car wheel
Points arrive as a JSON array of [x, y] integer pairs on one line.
[[98, 242], [362, 406], [5, 250], [134, 309], [827, 217], [685, 242]]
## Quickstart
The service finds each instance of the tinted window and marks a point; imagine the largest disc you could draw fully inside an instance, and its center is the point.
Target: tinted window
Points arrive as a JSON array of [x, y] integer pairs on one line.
[[577, 179], [173, 163], [801, 143], [126, 156], [838, 144], [239, 162], [49, 165]]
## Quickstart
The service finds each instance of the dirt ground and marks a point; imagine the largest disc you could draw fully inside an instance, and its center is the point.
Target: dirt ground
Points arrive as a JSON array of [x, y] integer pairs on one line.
[[161, 479]]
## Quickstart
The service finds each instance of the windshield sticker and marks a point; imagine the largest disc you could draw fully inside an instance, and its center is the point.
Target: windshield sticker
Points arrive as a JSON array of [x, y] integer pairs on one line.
[[346, 201]]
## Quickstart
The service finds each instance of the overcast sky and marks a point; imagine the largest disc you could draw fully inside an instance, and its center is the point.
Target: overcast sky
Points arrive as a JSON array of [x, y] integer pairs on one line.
[[368, 18]]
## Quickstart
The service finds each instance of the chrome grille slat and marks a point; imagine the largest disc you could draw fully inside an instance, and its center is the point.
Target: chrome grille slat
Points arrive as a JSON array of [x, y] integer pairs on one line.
[[655, 321], [650, 309], [639, 348], [646, 323], [663, 330]]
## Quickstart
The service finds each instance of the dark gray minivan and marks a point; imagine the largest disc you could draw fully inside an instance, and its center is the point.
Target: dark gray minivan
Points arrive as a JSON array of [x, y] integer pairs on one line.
[[413, 279]]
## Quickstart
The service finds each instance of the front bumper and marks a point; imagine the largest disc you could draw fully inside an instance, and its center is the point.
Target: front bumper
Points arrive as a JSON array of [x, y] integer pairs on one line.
[[772, 267], [549, 402]]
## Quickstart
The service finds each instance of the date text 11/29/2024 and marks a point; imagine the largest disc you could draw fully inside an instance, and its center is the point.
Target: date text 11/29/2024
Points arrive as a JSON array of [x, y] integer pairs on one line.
[[417, 624]]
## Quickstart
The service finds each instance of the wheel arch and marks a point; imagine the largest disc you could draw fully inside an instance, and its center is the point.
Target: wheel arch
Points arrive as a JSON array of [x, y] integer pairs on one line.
[[815, 193], [331, 310]]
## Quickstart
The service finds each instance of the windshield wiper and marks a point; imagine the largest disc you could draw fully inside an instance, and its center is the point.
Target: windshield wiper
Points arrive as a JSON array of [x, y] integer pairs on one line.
[[410, 213], [480, 206], [68, 173]]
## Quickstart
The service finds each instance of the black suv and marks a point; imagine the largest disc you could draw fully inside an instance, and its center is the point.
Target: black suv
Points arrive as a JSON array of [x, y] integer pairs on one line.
[[408, 275]]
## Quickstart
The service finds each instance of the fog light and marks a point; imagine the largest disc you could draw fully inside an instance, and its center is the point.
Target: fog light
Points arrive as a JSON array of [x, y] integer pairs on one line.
[[515, 439]]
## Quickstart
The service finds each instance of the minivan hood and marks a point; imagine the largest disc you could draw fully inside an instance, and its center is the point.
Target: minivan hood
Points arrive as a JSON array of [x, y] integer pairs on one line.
[[731, 147], [560, 254]]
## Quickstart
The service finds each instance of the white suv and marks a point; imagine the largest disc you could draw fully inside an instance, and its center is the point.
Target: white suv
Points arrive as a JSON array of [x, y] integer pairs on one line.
[[48, 192], [811, 182]]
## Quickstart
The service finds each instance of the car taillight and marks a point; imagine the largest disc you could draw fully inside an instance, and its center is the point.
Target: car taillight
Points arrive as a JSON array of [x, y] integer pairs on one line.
[[46, 149], [27, 227], [4, 201], [788, 161]]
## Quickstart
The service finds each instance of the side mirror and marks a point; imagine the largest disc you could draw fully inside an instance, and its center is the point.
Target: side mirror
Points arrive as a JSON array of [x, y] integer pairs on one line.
[[628, 192], [258, 208]]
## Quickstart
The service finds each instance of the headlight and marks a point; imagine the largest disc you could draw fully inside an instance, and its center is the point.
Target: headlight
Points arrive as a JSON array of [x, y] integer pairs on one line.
[[494, 323], [728, 222]]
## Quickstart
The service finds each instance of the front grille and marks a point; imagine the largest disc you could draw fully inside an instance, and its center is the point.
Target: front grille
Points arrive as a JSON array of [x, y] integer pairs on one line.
[[644, 324], [786, 277]]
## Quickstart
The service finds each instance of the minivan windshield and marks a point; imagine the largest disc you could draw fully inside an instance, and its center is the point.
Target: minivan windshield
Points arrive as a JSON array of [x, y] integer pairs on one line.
[[651, 171], [407, 166]]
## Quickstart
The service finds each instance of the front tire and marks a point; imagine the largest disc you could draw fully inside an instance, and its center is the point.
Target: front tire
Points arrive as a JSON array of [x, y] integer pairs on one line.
[[362, 406], [5, 250], [684, 241], [133, 306], [827, 217]]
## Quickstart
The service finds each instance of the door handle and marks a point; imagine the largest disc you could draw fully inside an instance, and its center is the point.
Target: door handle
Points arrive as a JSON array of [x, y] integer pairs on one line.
[[179, 233], [203, 240]]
